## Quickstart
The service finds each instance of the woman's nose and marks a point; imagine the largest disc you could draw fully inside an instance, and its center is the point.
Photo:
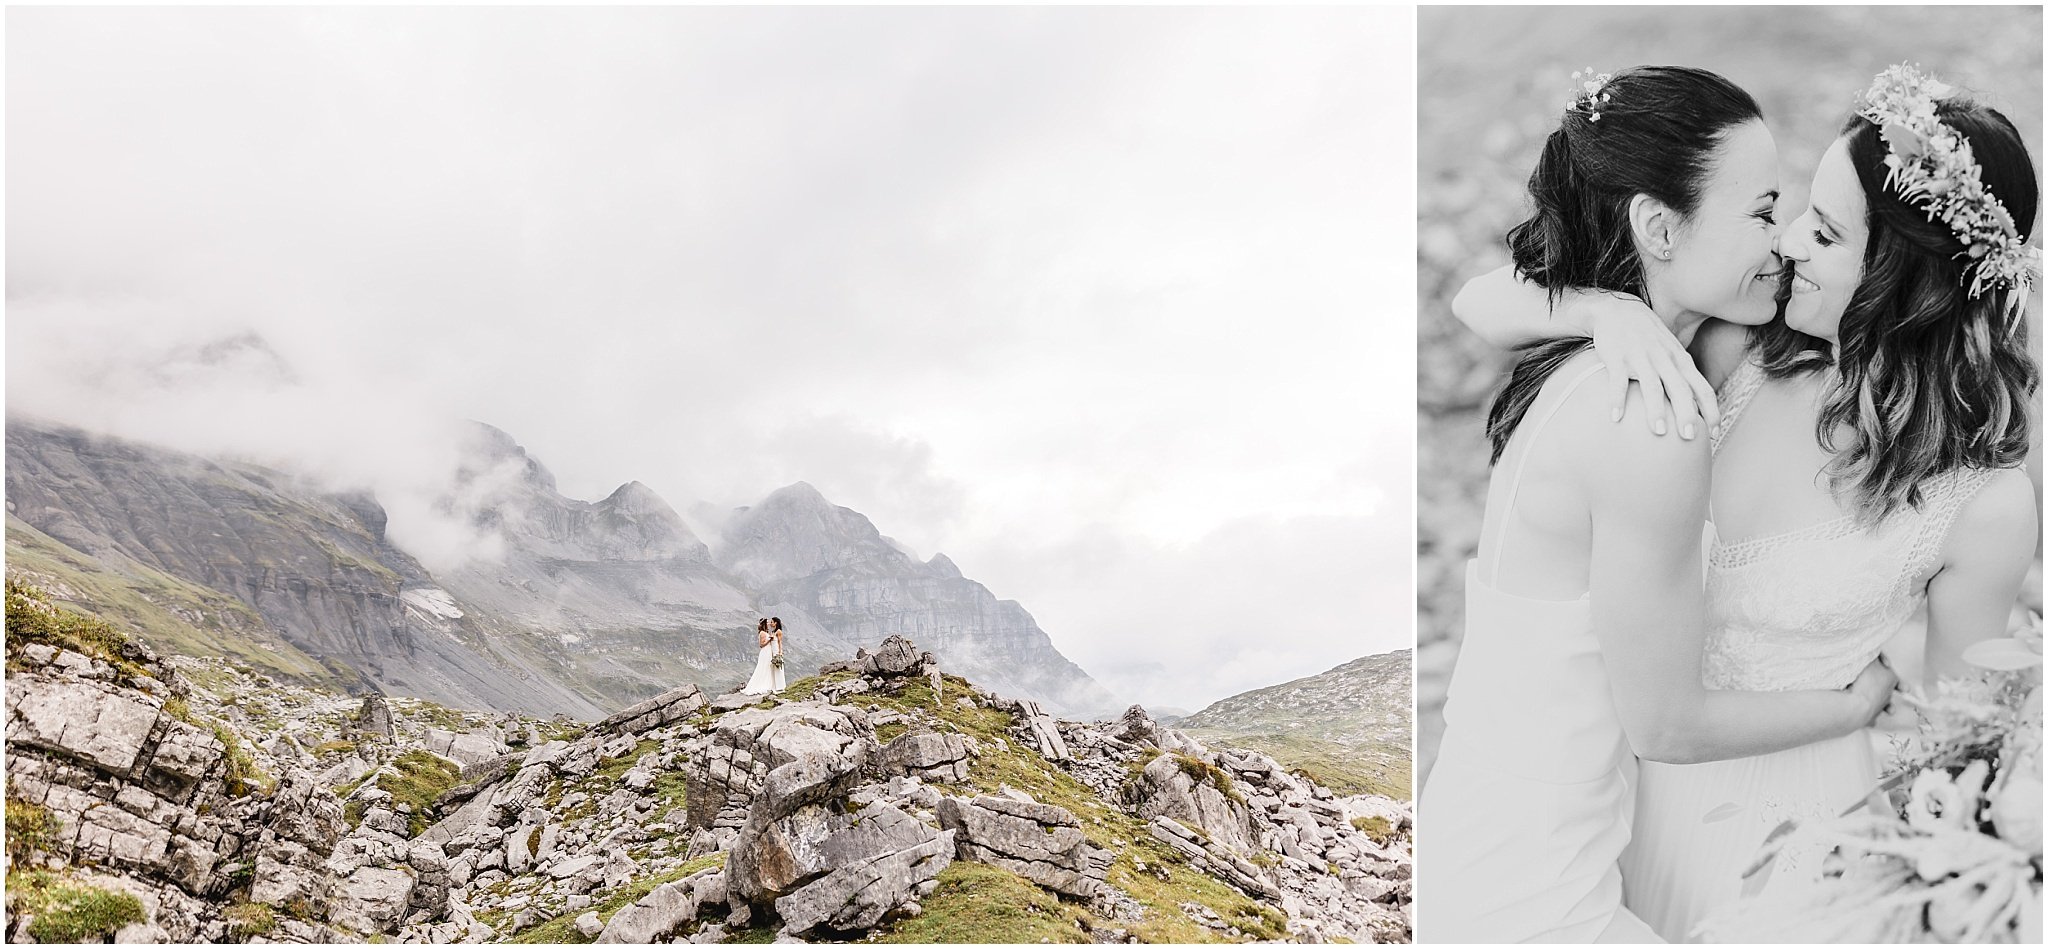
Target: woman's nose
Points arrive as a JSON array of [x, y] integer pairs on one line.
[[1788, 247]]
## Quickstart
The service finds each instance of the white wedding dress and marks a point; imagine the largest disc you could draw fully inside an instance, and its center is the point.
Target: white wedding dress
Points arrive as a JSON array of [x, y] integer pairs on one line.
[[1528, 804], [1802, 609], [767, 675]]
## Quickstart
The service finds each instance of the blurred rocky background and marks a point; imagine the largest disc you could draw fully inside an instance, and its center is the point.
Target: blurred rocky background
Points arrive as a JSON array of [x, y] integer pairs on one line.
[[1490, 85]]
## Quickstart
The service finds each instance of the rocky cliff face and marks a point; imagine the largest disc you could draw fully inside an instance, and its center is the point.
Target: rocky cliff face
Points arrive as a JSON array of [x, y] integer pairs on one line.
[[879, 799], [313, 569], [565, 605], [805, 553], [1355, 718]]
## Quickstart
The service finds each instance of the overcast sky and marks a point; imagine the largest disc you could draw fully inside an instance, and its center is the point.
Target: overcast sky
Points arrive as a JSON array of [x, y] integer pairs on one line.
[[1113, 307]]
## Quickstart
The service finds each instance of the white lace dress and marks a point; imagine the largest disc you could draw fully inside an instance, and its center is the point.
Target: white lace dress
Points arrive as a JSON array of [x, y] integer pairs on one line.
[[1804, 609]]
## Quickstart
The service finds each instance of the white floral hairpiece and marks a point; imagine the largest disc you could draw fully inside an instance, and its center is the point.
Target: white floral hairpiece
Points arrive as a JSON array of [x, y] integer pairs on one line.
[[1933, 164], [1590, 93]]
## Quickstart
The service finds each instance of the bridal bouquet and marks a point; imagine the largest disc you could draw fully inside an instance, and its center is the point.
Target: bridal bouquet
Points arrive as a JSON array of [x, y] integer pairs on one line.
[[777, 660], [1948, 849]]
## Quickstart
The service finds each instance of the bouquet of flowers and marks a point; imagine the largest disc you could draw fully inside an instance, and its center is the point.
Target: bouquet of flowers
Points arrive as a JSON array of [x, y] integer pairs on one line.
[[1948, 847], [777, 660]]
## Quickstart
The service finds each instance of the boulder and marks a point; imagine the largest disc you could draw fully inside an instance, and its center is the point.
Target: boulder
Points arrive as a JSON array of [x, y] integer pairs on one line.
[[371, 900], [1040, 842], [858, 893], [466, 748], [1045, 730], [373, 718], [672, 706], [667, 908], [98, 724], [1172, 786], [937, 757], [896, 656]]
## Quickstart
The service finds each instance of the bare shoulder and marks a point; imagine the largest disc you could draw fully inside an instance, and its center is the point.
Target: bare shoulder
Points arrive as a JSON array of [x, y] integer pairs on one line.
[[1999, 521], [1624, 466], [1627, 449]]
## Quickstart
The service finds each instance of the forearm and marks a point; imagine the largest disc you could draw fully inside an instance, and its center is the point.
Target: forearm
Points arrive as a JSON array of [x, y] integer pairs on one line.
[[1507, 311], [1716, 726]]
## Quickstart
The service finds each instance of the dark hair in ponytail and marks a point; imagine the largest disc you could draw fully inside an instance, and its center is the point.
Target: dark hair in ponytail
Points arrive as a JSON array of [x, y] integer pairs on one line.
[[1656, 135], [1930, 379]]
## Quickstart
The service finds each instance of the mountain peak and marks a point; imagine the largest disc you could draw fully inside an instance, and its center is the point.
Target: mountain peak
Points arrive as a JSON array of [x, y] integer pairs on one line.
[[945, 566], [489, 446], [798, 493], [636, 498]]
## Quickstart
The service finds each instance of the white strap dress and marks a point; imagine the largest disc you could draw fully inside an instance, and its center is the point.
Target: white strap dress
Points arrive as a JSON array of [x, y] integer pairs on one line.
[[1527, 809]]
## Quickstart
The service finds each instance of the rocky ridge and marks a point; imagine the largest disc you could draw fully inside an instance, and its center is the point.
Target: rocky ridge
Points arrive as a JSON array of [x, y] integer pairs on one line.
[[881, 798], [1351, 725], [569, 606]]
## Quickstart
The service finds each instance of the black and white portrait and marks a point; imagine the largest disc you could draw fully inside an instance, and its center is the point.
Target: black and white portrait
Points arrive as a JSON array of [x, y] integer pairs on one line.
[[1730, 586]]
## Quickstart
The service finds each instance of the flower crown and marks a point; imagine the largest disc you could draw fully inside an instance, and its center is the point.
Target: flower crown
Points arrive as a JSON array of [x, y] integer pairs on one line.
[[1932, 165], [1590, 95]]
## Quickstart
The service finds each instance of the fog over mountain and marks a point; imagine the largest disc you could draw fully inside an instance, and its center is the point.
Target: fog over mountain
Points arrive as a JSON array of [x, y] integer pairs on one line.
[[582, 609], [1086, 300]]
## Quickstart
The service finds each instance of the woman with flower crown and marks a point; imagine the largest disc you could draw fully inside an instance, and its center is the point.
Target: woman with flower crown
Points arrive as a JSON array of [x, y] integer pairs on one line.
[[1865, 460], [1584, 608]]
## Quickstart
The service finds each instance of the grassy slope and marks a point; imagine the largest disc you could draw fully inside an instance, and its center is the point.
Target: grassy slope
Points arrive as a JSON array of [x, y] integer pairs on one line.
[[1337, 767], [154, 606]]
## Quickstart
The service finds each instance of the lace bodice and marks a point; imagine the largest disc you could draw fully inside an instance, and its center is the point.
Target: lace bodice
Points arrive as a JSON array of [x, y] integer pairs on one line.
[[1808, 608]]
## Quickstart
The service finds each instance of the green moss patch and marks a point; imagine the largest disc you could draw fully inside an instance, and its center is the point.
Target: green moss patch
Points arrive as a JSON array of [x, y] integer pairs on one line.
[[420, 781], [31, 829], [977, 903], [248, 920], [67, 911], [1375, 827], [1202, 772], [806, 688], [33, 618]]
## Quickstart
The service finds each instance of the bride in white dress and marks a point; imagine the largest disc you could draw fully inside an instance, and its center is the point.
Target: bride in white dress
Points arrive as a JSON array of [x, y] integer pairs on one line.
[[1827, 545], [1584, 606], [767, 676]]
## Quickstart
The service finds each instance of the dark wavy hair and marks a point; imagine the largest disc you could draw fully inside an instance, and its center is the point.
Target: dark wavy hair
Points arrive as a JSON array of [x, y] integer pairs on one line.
[[761, 627], [1928, 379], [1657, 135]]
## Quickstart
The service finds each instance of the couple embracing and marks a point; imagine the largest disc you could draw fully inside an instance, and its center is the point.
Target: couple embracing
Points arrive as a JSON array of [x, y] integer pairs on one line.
[[767, 676], [1620, 735]]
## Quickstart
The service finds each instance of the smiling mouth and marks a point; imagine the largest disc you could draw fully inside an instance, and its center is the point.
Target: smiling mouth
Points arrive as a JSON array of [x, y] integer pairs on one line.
[[1798, 284], [1783, 291]]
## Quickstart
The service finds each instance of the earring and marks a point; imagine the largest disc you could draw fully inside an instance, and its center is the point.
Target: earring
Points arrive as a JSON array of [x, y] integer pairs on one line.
[[1666, 254]]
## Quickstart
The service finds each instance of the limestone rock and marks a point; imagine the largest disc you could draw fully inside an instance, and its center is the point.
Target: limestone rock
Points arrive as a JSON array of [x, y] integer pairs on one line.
[[668, 707], [1166, 789], [1039, 842], [466, 748], [87, 720], [372, 899], [929, 755], [858, 893], [374, 717], [670, 906]]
